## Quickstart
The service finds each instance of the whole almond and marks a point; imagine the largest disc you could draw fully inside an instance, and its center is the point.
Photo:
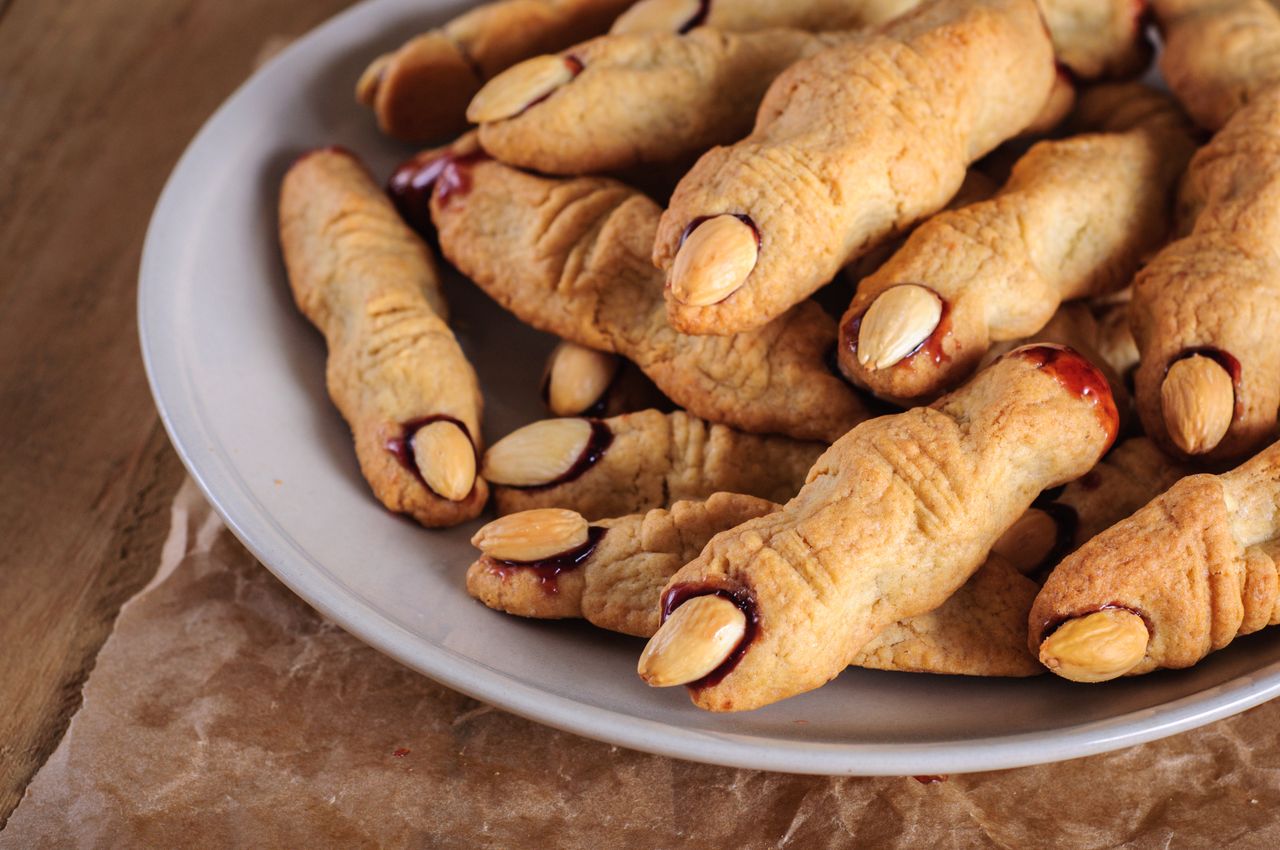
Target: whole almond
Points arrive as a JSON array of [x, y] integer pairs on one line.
[[714, 261], [518, 87], [1027, 543], [532, 535], [694, 640], [445, 457], [1198, 401], [577, 377], [369, 82], [1097, 647], [657, 16], [898, 321], [538, 453]]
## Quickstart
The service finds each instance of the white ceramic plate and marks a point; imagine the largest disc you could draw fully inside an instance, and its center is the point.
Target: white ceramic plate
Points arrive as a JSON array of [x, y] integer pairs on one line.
[[239, 379]]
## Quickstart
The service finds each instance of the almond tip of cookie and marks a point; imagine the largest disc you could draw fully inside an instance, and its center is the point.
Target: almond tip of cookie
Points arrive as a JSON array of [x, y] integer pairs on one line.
[[577, 378], [446, 459], [658, 16], [1097, 647], [695, 640], [1197, 401], [1028, 542], [532, 535], [898, 321], [538, 453], [714, 261], [519, 87], [371, 80]]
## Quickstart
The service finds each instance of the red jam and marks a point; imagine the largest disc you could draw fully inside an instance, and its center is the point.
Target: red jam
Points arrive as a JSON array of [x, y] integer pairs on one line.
[[929, 780], [1080, 378], [1049, 626], [699, 17], [679, 594], [548, 570], [446, 174]]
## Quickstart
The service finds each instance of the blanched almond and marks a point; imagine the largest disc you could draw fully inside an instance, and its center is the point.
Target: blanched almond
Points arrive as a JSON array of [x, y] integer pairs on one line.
[[898, 321], [714, 261], [371, 79], [1096, 647], [657, 16], [538, 453], [577, 377], [516, 88], [695, 639], [1198, 401], [532, 535], [445, 457], [1027, 542]]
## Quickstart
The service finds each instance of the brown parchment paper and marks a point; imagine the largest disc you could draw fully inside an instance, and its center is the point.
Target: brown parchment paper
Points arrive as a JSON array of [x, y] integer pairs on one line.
[[223, 712]]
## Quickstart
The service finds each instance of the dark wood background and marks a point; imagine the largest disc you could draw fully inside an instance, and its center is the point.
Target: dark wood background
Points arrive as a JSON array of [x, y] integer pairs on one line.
[[98, 98]]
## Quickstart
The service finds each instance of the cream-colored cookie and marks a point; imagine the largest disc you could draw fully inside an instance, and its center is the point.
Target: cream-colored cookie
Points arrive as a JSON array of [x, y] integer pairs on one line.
[[395, 371], [638, 461]]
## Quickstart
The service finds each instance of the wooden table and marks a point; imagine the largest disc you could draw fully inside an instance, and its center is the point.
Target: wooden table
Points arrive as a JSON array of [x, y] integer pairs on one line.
[[98, 98]]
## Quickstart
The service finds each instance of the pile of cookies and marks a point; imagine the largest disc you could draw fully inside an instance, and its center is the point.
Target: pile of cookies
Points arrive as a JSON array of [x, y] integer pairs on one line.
[[1036, 436]]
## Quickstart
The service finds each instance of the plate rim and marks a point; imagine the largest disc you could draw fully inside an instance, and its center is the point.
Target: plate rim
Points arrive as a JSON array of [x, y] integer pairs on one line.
[[285, 557]]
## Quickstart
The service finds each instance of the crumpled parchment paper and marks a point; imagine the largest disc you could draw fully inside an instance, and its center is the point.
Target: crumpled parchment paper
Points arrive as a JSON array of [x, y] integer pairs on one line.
[[223, 712]]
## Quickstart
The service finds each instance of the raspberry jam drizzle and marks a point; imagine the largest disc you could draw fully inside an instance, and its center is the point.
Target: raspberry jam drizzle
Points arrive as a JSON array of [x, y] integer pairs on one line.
[[699, 17], [401, 446], [697, 222], [1229, 364], [1080, 378], [1050, 625], [446, 174], [679, 594], [549, 570], [930, 346], [597, 444]]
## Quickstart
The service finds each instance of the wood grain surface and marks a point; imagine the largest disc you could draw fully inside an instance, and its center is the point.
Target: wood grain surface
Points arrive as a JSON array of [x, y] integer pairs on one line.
[[98, 98]]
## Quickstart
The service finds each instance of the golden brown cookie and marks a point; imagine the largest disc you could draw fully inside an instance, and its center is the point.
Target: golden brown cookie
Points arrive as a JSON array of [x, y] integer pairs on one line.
[[638, 461], [1094, 38], [550, 563], [851, 145], [1179, 579], [1074, 220], [892, 520], [1059, 522], [681, 16], [395, 371], [421, 91], [1202, 312], [1218, 54], [571, 257], [629, 100]]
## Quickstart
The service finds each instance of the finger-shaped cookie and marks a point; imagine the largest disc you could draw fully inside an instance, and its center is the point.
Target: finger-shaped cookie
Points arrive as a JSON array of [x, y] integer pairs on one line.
[[1203, 310], [1074, 220], [571, 257], [1059, 522], [1179, 579], [892, 519], [551, 563], [421, 90], [633, 99], [850, 145], [395, 371], [1218, 54], [637, 461], [681, 16]]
